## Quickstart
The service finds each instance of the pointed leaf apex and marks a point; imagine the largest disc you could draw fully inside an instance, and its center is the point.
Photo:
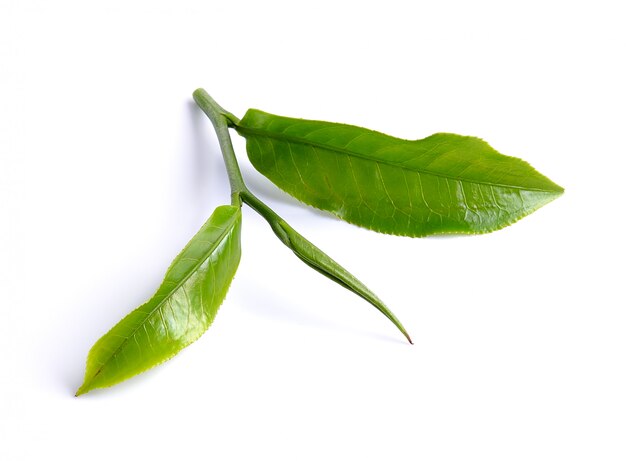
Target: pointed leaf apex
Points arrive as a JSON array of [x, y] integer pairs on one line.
[[81, 390]]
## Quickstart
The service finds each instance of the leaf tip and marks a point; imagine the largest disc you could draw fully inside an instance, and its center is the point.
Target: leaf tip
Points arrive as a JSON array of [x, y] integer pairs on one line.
[[84, 388], [401, 328], [555, 188]]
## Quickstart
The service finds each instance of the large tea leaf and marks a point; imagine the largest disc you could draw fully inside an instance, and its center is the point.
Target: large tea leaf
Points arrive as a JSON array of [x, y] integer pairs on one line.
[[444, 183], [179, 312]]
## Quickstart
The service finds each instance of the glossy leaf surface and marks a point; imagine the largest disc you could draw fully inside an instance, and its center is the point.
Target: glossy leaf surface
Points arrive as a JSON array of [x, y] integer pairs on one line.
[[445, 183], [325, 265], [180, 311]]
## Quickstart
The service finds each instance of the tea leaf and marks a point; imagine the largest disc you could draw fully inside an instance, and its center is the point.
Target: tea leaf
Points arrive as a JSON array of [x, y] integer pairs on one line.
[[445, 183], [180, 311], [325, 265]]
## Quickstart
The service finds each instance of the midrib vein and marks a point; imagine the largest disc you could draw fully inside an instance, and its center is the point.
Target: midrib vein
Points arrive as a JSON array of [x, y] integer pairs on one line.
[[308, 142]]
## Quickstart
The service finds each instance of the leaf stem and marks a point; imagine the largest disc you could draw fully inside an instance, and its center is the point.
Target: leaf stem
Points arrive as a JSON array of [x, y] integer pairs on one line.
[[221, 120]]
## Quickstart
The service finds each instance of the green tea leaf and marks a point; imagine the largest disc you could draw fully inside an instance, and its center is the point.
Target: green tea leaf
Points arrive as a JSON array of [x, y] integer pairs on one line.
[[180, 311], [445, 183], [325, 265]]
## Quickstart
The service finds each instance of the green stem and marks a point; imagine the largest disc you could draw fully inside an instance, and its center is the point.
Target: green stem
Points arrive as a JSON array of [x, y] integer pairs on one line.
[[221, 120]]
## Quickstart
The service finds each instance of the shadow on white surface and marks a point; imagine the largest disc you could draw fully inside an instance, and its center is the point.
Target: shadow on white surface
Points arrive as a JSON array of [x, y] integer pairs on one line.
[[261, 301], [204, 175]]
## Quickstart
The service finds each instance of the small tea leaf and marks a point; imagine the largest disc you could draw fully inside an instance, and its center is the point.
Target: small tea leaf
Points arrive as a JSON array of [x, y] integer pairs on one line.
[[325, 265], [445, 183], [180, 311]]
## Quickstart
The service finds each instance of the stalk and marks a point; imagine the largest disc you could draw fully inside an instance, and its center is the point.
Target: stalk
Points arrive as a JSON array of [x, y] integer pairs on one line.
[[221, 119]]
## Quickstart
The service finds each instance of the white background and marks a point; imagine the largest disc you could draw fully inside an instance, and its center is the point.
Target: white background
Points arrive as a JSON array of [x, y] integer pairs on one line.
[[107, 169]]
